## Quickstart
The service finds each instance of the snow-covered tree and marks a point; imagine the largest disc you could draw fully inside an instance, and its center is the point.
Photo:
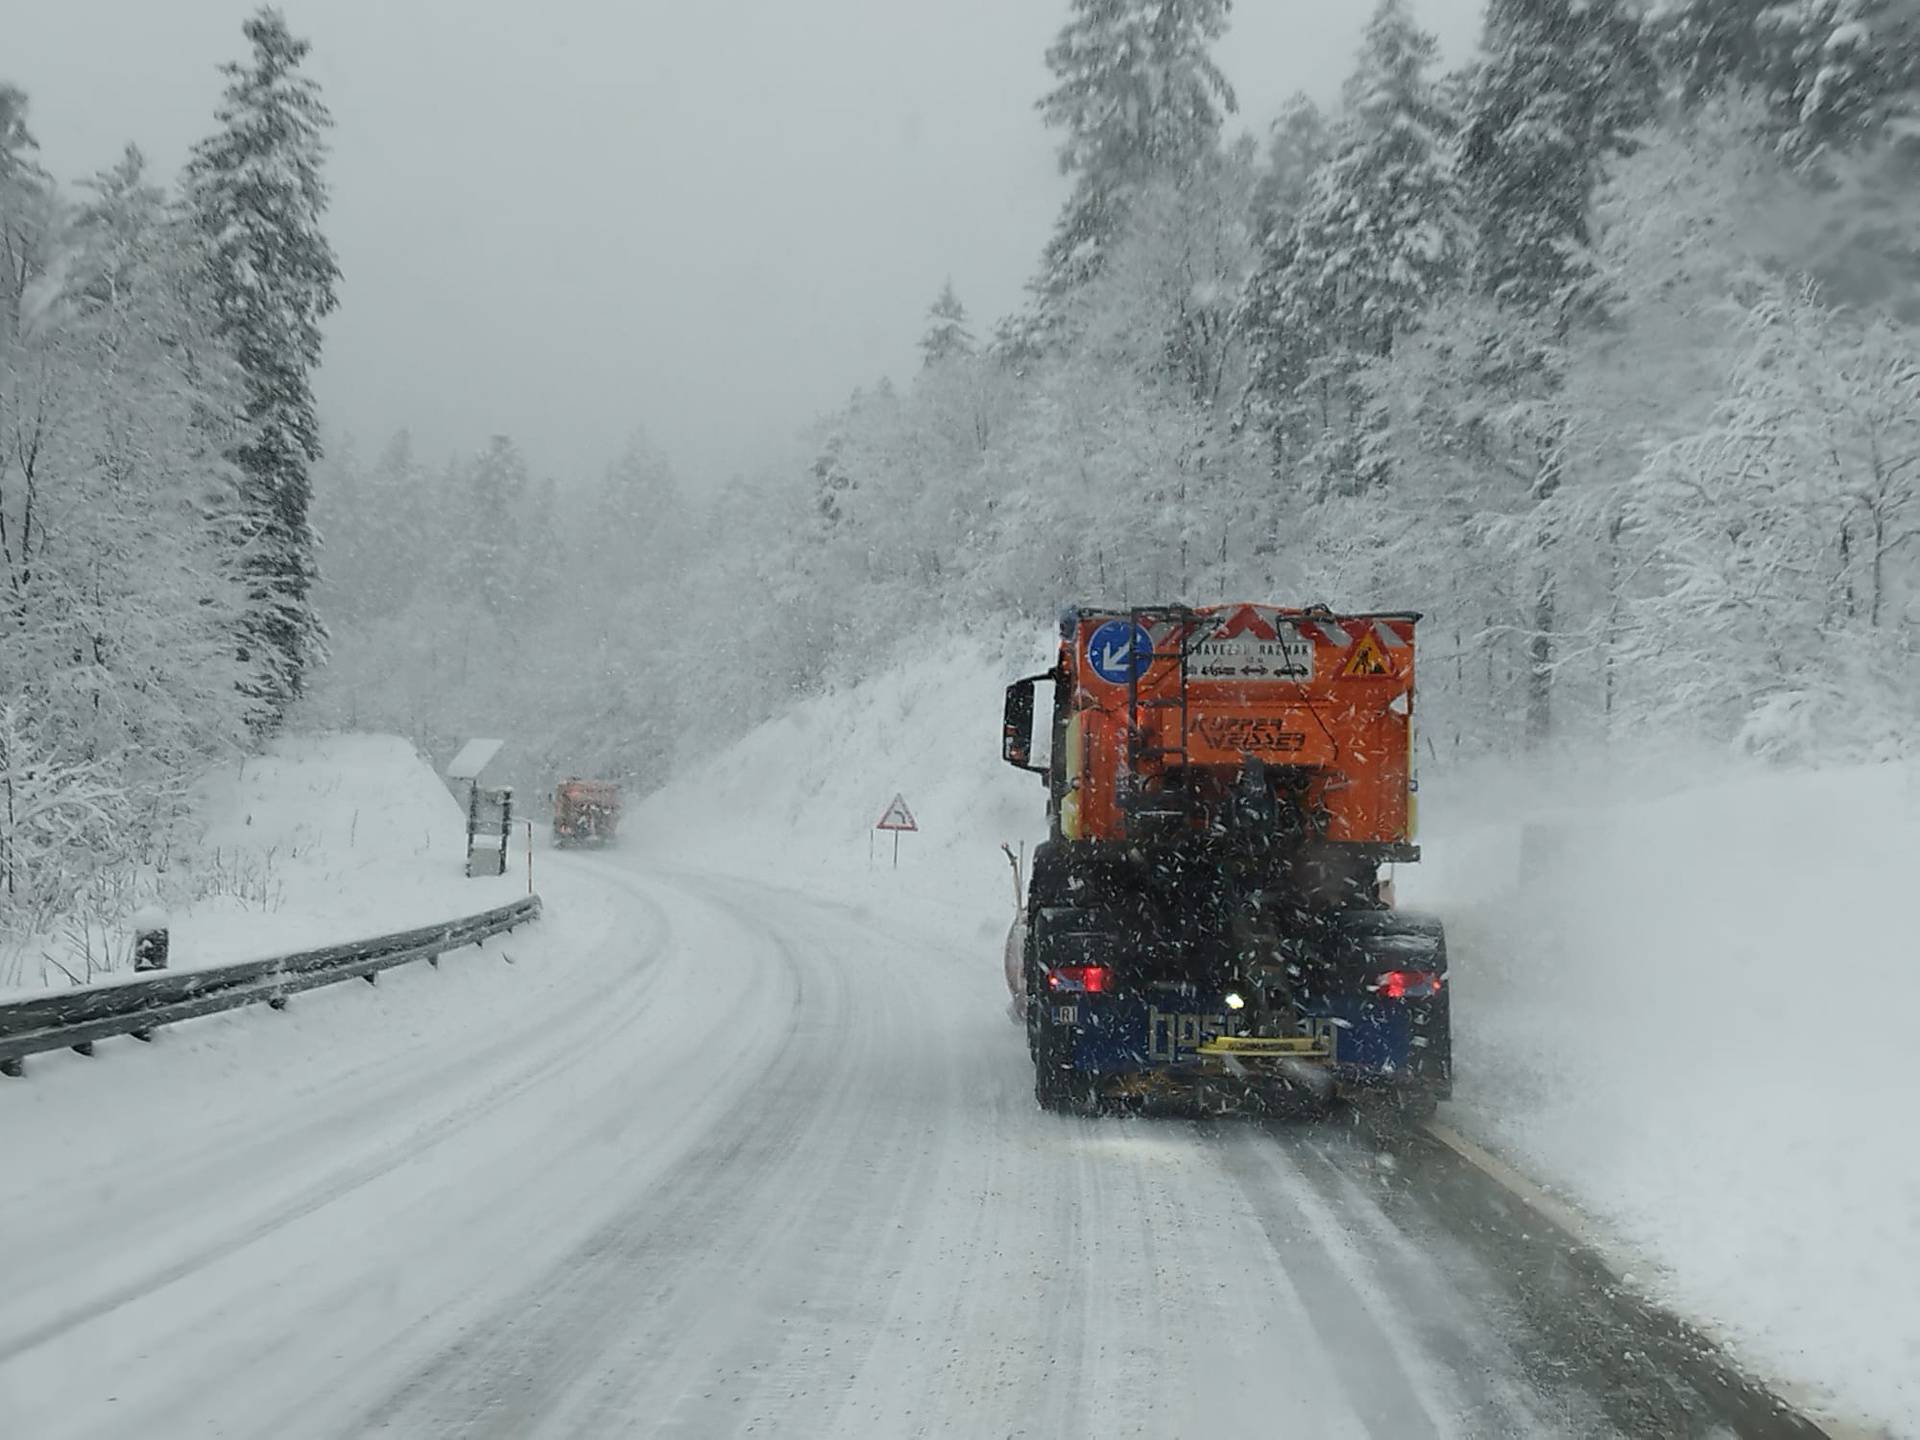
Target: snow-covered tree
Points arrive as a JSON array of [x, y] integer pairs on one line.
[[637, 520], [1300, 142], [947, 336], [146, 442], [1561, 88], [385, 525], [26, 212], [488, 559], [1382, 235], [1138, 98], [256, 194], [1784, 535], [122, 582], [1373, 243], [1166, 312], [29, 219], [1833, 73]]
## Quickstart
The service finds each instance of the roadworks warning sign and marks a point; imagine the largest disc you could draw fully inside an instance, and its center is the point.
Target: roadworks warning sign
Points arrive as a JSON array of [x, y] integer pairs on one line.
[[1367, 658]]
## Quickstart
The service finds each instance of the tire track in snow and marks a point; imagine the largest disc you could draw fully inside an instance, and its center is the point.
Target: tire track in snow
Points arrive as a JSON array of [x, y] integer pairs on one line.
[[399, 1089], [1367, 1357], [1448, 1304], [512, 1379]]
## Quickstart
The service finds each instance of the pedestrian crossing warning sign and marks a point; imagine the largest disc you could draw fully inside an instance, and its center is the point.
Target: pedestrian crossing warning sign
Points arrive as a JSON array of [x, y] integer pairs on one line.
[[1367, 658], [898, 816]]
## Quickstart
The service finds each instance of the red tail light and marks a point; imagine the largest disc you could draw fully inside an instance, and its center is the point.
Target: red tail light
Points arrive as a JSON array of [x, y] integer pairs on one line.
[[1089, 979], [1408, 984]]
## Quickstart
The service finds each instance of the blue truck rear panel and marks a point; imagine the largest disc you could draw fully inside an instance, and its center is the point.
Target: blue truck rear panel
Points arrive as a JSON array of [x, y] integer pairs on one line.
[[1165, 1028]]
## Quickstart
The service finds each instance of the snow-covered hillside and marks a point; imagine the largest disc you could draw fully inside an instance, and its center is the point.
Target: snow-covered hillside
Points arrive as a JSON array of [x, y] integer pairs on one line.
[[1684, 1020], [798, 797], [324, 818], [320, 839]]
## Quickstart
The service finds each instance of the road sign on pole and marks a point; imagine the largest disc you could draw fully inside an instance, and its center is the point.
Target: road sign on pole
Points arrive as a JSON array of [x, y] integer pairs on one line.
[[897, 819]]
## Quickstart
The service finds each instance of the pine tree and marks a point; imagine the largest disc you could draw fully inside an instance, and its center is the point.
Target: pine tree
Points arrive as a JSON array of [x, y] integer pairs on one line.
[[1563, 86], [540, 557], [27, 226], [1300, 143], [1561, 89], [1381, 233], [345, 510], [637, 518], [1139, 98], [256, 195], [497, 493], [1705, 45], [116, 235], [1374, 242], [26, 216], [1834, 73], [947, 337], [1856, 71]]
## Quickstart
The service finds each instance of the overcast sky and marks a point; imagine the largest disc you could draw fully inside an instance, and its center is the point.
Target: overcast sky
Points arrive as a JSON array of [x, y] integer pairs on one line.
[[708, 218]]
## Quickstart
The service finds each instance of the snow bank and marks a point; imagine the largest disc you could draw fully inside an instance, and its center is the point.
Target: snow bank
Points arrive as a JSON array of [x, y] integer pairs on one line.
[[322, 839], [1687, 1013], [1690, 1021], [346, 836]]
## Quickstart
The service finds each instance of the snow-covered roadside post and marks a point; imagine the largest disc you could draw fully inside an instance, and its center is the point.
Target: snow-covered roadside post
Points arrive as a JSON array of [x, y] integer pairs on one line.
[[465, 770], [487, 809], [150, 941]]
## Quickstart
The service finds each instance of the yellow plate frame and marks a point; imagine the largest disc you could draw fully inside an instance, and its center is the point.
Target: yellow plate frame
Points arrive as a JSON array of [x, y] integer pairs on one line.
[[1255, 1047]]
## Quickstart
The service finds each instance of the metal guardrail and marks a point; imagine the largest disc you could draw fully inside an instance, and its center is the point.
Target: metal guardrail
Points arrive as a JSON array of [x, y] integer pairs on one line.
[[74, 1019]]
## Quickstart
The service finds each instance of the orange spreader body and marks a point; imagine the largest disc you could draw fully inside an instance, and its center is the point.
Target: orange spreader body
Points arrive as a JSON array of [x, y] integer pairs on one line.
[[1156, 691], [586, 809]]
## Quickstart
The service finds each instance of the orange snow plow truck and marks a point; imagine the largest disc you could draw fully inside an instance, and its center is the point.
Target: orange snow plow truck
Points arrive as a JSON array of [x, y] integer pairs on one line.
[[1209, 914], [586, 812]]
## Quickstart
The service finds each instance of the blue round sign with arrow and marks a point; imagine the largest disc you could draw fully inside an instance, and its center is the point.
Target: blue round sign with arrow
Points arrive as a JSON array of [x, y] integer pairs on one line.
[[1120, 651]]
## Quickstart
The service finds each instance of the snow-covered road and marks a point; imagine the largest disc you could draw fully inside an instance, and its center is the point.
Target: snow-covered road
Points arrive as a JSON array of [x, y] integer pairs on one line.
[[714, 1159]]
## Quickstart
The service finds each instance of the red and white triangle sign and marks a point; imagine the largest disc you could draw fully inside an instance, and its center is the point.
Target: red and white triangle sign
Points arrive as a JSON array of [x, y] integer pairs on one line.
[[898, 816]]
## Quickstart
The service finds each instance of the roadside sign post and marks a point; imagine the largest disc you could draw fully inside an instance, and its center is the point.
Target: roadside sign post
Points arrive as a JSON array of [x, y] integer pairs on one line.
[[486, 808], [897, 819], [489, 830]]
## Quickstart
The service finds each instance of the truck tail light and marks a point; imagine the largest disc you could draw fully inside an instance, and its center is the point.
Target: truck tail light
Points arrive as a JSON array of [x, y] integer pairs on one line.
[[1408, 984], [1085, 979]]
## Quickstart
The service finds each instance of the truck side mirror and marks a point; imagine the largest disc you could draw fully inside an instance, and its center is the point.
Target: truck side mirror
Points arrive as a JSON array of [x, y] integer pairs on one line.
[[1016, 738]]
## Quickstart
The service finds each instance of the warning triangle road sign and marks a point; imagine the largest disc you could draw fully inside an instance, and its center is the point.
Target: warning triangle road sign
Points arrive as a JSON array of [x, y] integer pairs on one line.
[[898, 817], [1367, 658]]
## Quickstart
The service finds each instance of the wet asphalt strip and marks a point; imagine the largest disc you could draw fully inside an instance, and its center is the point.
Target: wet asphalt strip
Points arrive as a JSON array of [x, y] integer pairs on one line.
[[1605, 1358]]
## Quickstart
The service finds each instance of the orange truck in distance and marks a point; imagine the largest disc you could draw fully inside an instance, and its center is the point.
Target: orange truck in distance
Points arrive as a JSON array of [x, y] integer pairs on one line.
[[586, 812], [1208, 914]]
